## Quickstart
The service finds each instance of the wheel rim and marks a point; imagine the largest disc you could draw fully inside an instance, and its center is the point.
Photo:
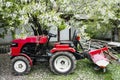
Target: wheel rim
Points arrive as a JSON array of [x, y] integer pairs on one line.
[[62, 64], [20, 66]]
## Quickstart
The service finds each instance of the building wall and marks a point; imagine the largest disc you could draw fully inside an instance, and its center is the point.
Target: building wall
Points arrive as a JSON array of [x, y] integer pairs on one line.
[[7, 39], [64, 34], [54, 30]]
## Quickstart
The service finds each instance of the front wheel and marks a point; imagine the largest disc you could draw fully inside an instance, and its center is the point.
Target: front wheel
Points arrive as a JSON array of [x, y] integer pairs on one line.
[[20, 65], [62, 63]]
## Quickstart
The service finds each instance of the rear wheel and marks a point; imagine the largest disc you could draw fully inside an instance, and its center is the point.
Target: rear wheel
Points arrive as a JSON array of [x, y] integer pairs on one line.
[[20, 65], [62, 63]]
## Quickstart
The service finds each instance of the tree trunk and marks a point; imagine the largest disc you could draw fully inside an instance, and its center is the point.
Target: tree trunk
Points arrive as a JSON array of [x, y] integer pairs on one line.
[[115, 30], [115, 34]]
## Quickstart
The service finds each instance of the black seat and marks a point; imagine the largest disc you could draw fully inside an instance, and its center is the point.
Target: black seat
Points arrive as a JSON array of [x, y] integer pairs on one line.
[[67, 42]]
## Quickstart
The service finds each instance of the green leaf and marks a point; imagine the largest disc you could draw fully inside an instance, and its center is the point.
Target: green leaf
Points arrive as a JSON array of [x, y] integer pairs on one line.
[[62, 26]]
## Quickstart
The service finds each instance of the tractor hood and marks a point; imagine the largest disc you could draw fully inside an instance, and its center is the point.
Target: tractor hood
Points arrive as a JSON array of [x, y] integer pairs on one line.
[[32, 39], [27, 39]]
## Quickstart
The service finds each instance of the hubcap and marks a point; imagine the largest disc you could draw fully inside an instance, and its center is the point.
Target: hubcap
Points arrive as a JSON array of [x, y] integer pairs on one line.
[[20, 66], [62, 63]]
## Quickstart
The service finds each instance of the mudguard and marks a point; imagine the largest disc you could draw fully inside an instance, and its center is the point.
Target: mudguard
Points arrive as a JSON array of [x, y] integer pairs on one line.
[[26, 56], [62, 47]]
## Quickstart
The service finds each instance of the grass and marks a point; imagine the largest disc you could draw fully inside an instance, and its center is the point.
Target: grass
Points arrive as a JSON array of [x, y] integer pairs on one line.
[[83, 71]]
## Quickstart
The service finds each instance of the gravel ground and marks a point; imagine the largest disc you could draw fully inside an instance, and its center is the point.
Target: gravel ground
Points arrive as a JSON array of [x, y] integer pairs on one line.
[[5, 71], [38, 71]]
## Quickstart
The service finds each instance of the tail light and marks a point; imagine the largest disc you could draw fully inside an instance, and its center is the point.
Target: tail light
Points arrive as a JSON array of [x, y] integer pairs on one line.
[[78, 37]]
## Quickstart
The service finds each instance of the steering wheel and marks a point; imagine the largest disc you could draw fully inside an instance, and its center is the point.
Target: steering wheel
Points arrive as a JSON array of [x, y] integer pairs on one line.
[[51, 35]]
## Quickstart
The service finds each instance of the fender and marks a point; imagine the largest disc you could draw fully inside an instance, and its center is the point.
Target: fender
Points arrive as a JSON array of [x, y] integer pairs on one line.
[[62, 48], [31, 63], [26, 56]]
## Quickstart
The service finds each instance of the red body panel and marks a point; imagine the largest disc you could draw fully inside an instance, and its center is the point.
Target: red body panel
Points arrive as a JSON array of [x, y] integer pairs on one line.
[[97, 55], [62, 47], [98, 51], [15, 51]]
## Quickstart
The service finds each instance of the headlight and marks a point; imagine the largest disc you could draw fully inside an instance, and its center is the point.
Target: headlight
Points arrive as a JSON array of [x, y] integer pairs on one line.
[[13, 44]]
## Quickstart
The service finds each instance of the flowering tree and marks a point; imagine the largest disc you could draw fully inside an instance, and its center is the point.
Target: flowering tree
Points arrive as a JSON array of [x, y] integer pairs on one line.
[[103, 15], [14, 14]]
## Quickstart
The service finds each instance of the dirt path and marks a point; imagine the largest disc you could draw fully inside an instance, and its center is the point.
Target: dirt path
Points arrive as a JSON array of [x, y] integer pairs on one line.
[[38, 71], [5, 71]]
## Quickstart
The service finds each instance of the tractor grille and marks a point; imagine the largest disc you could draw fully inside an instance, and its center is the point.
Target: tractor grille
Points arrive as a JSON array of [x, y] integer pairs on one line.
[[4, 48]]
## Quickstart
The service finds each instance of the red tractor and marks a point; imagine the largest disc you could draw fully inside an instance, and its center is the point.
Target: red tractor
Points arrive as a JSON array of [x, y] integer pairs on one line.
[[61, 57]]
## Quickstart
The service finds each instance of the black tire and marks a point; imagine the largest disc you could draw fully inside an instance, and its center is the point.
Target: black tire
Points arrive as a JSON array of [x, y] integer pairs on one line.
[[65, 55], [22, 62]]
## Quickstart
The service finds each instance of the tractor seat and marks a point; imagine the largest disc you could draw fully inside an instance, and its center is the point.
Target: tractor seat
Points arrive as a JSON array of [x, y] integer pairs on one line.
[[67, 42]]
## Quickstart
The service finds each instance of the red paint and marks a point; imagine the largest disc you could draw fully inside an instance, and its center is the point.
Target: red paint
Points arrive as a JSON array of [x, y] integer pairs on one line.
[[78, 38], [62, 47], [21, 42], [97, 55], [98, 51]]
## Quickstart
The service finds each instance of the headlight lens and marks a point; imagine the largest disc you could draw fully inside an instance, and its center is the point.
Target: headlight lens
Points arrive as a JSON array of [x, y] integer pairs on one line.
[[13, 44]]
